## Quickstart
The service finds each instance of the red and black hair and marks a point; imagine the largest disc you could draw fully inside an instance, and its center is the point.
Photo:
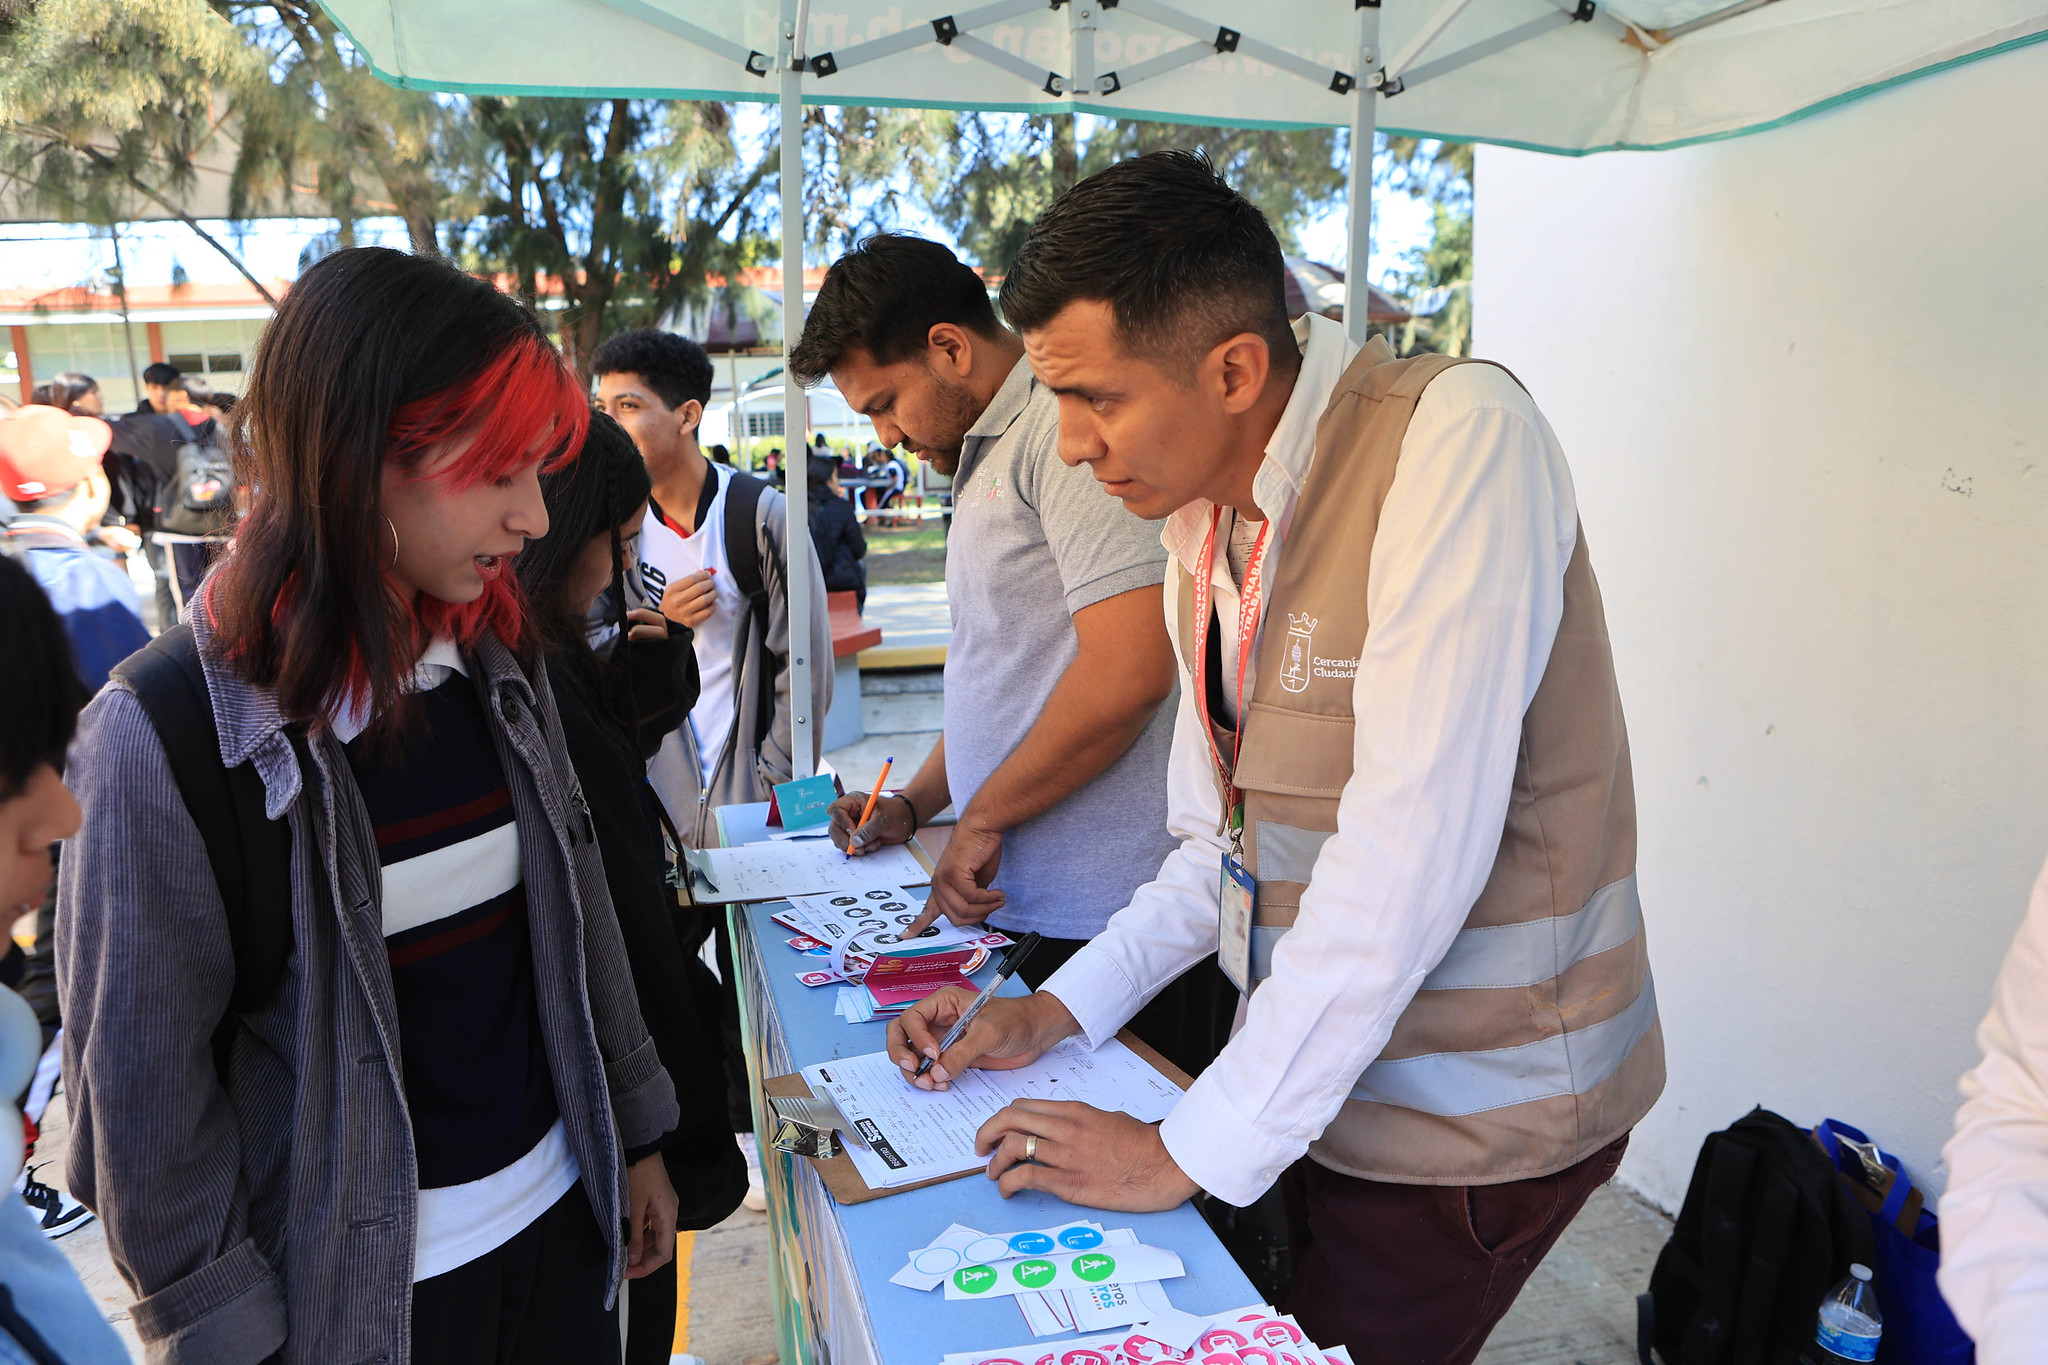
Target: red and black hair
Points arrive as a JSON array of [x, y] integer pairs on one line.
[[375, 358]]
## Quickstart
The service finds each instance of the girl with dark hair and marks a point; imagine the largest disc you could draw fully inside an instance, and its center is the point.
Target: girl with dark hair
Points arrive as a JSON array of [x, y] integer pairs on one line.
[[835, 530], [78, 394], [436, 1138], [617, 703]]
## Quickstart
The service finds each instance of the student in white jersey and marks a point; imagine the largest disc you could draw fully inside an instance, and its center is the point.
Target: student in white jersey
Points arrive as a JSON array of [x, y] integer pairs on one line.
[[713, 557], [1400, 780], [357, 1069]]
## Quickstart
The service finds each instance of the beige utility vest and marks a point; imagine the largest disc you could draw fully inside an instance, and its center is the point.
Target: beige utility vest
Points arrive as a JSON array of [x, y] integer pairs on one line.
[[1535, 1042]]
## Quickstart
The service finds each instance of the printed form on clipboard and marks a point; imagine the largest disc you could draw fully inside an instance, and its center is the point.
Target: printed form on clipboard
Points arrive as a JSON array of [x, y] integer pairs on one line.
[[904, 1135], [774, 872]]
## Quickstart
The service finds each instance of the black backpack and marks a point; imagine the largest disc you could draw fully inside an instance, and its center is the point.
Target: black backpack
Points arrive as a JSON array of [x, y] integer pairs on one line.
[[249, 852], [200, 498], [1766, 1230]]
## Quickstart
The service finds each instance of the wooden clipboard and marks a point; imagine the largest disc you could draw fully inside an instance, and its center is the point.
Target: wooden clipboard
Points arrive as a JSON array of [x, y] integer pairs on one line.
[[688, 894], [843, 1178]]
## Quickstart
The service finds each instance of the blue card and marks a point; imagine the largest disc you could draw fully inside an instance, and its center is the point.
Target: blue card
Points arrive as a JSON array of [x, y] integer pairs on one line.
[[806, 801]]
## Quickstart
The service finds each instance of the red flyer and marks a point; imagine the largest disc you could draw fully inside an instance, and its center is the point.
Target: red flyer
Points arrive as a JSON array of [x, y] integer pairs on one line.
[[895, 982]]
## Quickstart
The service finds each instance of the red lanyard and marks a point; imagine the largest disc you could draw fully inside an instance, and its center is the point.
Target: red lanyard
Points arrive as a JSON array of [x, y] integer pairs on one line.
[[1247, 634]]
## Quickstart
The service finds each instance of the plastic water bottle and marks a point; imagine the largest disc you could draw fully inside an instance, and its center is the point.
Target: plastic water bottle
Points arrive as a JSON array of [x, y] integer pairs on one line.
[[1849, 1321]]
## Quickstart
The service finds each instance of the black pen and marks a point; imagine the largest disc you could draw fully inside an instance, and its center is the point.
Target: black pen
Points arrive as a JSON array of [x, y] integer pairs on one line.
[[1005, 969]]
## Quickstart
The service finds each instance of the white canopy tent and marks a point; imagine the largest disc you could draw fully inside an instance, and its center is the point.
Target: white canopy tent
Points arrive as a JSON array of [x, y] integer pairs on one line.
[[1565, 76]]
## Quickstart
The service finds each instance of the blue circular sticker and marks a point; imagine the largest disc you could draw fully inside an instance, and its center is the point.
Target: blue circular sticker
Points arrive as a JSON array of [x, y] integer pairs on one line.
[[1080, 1239], [1031, 1244]]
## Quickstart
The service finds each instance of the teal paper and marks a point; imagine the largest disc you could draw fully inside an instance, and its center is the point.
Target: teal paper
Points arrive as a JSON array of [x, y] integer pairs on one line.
[[806, 801]]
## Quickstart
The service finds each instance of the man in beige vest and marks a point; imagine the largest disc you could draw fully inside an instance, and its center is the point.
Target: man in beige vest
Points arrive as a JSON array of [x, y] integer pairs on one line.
[[1399, 776]]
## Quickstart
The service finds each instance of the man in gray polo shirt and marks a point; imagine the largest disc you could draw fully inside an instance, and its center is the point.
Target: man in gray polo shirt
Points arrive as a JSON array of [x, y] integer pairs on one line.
[[1060, 676]]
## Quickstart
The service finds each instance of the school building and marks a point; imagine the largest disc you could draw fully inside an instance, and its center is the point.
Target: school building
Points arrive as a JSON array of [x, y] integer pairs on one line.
[[204, 329]]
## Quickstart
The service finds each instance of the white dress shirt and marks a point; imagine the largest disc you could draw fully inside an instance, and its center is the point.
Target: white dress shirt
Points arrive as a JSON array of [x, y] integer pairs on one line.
[[1465, 590], [1994, 1216]]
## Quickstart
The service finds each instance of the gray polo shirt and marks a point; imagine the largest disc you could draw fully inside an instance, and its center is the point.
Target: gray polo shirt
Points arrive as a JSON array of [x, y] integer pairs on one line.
[[1033, 542]]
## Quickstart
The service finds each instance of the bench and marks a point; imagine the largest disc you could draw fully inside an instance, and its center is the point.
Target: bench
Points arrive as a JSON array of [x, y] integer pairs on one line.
[[850, 635]]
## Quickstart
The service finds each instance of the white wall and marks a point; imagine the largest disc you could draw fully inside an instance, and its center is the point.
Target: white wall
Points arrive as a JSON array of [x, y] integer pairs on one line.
[[1803, 381]]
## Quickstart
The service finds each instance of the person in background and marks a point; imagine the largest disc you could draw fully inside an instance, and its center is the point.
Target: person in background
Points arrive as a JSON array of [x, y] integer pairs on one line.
[[1404, 803], [156, 387], [222, 402], [146, 443], [720, 455], [433, 1128], [771, 466], [702, 521], [1059, 678], [79, 395], [595, 506], [75, 393], [51, 1316], [835, 530], [739, 742], [51, 475]]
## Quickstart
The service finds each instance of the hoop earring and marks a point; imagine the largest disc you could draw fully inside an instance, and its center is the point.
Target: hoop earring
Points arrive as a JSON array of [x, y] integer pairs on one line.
[[394, 546]]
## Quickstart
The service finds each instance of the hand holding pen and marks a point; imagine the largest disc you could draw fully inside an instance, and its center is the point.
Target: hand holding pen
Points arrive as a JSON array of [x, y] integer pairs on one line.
[[936, 1039]]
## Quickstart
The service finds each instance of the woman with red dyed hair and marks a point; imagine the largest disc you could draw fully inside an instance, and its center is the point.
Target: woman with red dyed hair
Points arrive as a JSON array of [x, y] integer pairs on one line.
[[355, 1061]]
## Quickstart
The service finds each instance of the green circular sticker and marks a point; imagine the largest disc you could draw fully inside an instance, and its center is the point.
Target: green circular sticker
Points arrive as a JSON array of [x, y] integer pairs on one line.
[[1034, 1274], [1094, 1267], [974, 1279]]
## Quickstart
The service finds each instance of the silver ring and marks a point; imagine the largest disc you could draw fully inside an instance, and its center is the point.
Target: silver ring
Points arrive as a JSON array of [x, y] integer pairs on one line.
[[1031, 1146]]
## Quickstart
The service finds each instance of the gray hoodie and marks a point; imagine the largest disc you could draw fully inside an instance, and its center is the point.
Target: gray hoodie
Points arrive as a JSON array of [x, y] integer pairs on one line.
[[280, 1208]]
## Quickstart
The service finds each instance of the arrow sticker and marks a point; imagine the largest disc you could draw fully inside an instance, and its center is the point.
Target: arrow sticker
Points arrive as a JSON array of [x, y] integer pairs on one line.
[[972, 1279]]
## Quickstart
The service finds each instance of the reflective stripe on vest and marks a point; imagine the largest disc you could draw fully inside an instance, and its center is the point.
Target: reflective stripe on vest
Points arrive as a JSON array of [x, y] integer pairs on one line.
[[1530, 953], [1287, 853], [1488, 958], [1451, 1084]]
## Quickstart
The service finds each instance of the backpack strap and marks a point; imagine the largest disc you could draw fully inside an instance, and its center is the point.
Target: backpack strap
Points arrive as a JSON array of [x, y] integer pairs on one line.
[[249, 852], [743, 557]]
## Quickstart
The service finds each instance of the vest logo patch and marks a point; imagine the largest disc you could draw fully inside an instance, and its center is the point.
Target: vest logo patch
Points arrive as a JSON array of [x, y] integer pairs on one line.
[[1294, 668]]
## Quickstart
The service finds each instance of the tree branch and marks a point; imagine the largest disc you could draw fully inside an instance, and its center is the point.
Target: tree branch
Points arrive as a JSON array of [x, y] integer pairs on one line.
[[107, 164], [746, 190]]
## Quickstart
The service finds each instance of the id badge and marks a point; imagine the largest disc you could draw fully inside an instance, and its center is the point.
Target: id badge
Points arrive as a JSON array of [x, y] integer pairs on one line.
[[1237, 895]]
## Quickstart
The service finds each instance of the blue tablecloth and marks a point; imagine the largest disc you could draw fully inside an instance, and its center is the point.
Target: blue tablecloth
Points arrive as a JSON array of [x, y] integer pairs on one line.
[[910, 1327]]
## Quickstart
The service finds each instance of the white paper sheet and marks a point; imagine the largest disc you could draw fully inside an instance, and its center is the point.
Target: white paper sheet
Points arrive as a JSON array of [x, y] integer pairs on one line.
[[904, 1134], [800, 867]]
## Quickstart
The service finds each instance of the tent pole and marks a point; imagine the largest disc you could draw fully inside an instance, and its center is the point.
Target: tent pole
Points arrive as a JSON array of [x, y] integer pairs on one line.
[[1357, 294], [795, 464]]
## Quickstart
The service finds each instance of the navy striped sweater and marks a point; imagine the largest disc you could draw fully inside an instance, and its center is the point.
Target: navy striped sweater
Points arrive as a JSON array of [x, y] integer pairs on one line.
[[476, 1070]]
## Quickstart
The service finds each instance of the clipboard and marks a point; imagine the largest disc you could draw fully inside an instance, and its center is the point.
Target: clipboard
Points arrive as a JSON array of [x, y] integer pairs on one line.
[[688, 892], [842, 1178]]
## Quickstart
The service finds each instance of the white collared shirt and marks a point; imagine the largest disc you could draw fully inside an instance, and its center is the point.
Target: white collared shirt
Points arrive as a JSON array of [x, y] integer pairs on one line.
[[441, 658], [1994, 1214], [1465, 590]]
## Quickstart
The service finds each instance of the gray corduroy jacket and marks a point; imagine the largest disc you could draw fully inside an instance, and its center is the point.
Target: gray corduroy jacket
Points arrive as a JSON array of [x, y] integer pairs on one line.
[[281, 1208]]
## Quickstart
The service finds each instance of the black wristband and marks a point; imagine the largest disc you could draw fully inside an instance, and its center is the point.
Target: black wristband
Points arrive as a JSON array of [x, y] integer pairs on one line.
[[904, 797]]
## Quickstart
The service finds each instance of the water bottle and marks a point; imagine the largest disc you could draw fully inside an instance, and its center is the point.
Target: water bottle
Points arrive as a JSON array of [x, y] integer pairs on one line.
[[1849, 1321]]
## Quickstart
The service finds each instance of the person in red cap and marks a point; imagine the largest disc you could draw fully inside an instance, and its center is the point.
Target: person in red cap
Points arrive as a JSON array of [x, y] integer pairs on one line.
[[57, 492]]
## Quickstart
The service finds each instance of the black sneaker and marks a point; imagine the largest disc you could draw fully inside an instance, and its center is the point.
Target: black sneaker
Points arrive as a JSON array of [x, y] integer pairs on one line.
[[56, 1211]]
